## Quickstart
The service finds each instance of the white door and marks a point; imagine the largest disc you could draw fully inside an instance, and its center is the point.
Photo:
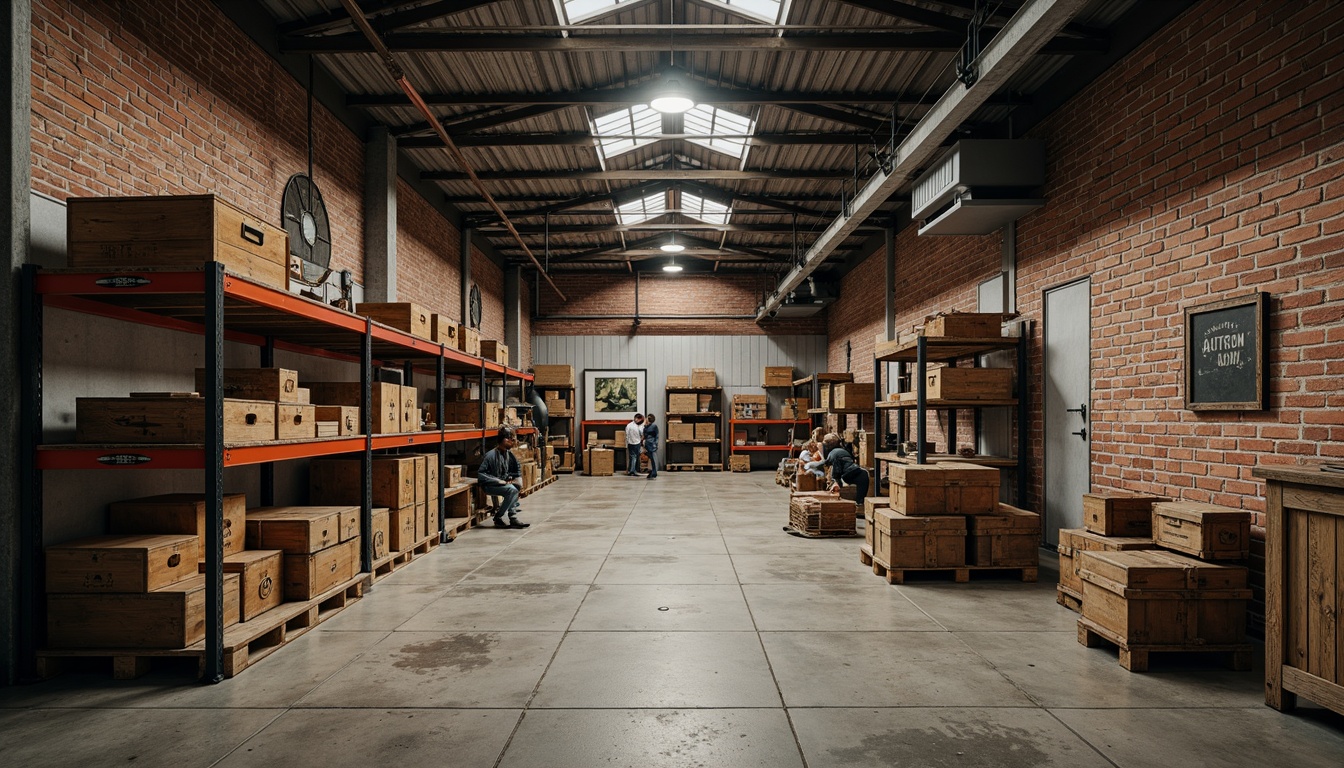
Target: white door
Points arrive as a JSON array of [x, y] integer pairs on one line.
[[1067, 380]]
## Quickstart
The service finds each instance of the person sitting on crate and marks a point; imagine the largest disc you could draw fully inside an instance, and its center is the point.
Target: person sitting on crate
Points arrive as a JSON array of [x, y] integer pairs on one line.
[[651, 444], [500, 475], [634, 440], [843, 467], [811, 453]]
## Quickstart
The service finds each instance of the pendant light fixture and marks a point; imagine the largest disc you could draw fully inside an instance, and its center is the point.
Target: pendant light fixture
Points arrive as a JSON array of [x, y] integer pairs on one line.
[[671, 98], [672, 246], [672, 265]]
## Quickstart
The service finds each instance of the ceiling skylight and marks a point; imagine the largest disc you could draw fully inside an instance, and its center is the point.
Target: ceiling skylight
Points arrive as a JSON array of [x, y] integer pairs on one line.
[[761, 10], [707, 211], [712, 122], [582, 10], [643, 209], [639, 120]]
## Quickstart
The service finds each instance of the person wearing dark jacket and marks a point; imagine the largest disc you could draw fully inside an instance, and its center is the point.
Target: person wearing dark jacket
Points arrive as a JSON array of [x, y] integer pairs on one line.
[[651, 444], [499, 475], [843, 467]]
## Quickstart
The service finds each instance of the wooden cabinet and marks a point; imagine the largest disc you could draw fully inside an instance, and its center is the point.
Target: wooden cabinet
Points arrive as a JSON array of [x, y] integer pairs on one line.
[[1304, 560]]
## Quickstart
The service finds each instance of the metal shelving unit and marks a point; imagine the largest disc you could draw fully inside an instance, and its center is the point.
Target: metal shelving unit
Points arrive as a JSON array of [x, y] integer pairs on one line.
[[716, 415], [787, 449], [221, 307]]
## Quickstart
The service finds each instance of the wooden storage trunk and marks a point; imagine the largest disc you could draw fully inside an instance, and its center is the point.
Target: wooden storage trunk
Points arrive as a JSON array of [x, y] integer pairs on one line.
[[739, 463], [382, 535], [947, 488], [299, 530], [111, 564], [176, 231], [682, 404], [870, 507], [495, 350], [401, 527], [309, 575], [851, 396], [259, 580], [1202, 530], [402, 315], [1116, 513], [337, 481], [278, 384], [171, 617], [553, 376], [386, 400], [1011, 538], [345, 417], [469, 340], [778, 376], [1151, 597], [700, 454], [179, 513], [969, 384], [821, 513], [1073, 541], [408, 418], [702, 378], [905, 541], [974, 325], [443, 329], [295, 421], [168, 420]]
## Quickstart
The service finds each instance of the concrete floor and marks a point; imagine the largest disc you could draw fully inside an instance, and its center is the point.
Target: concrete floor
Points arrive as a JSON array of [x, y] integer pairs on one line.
[[671, 623]]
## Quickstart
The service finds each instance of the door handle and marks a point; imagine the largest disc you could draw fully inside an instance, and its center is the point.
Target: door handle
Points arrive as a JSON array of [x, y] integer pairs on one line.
[[1081, 433], [1080, 410]]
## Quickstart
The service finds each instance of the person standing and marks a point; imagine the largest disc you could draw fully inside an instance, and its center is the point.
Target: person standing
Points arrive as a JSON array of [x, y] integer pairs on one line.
[[634, 440], [651, 444], [500, 475], [843, 467]]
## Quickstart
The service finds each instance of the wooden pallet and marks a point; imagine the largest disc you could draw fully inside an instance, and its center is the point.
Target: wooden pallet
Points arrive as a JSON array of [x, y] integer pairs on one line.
[[386, 566], [821, 534], [960, 574], [692, 468], [245, 643], [1135, 657], [1069, 599], [529, 491]]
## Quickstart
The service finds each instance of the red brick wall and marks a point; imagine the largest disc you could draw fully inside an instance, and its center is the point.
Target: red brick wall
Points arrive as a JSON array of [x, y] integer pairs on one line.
[[1206, 164], [606, 294], [428, 255], [491, 280], [132, 99]]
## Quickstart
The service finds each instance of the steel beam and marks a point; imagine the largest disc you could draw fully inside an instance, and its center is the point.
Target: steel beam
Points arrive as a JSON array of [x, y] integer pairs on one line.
[[639, 174], [614, 95], [675, 226]]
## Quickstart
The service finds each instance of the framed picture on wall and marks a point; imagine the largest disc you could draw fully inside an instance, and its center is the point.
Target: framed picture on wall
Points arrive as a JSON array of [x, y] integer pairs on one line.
[[1225, 355], [614, 394]]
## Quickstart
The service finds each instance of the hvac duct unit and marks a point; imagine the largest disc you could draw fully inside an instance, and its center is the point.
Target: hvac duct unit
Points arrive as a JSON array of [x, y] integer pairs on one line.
[[978, 186], [810, 298]]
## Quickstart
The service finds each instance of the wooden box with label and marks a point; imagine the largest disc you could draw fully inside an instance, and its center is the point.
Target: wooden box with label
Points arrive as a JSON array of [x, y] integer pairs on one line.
[[682, 403], [294, 421], [1205, 531], [949, 488], [169, 420], [678, 382], [851, 396], [260, 584], [385, 397], [553, 376], [337, 481], [1011, 538], [700, 454], [299, 530], [402, 315], [382, 536], [443, 329], [778, 376], [706, 430], [972, 325], [704, 378], [311, 574], [171, 617], [408, 418], [497, 351], [1116, 513], [111, 564], [969, 384], [1074, 541], [345, 417], [915, 541], [278, 384], [401, 528], [179, 513], [468, 340], [175, 231]]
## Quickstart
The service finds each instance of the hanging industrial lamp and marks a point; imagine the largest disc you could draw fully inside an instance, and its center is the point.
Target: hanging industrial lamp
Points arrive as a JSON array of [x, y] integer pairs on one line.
[[672, 265], [671, 98], [672, 246]]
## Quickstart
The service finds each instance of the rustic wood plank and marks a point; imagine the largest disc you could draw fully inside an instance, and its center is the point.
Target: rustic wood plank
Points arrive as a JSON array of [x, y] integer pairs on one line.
[[1297, 580], [1321, 597], [1320, 691], [1275, 599]]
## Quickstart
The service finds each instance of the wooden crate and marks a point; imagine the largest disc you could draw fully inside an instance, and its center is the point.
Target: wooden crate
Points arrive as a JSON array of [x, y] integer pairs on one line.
[[908, 541], [946, 488], [431, 478], [553, 376], [464, 412], [974, 325], [1117, 513], [739, 463], [1205, 531], [300, 530], [678, 382], [852, 396], [402, 315], [706, 430], [278, 384], [168, 420], [495, 350], [121, 564], [443, 329], [469, 340], [1073, 541], [337, 481], [1152, 597], [452, 475], [295, 421], [401, 528], [778, 376], [170, 617], [599, 461], [386, 400], [176, 231], [310, 574], [1304, 565], [408, 413], [179, 513], [345, 417], [1009, 539], [259, 580], [820, 513], [700, 454], [806, 481], [795, 408], [870, 507], [969, 384], [682, 403], [421, 518], [704, 378]]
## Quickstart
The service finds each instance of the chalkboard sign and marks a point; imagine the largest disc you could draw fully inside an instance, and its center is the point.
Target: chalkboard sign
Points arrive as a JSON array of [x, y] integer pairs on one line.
[[1225, 355]]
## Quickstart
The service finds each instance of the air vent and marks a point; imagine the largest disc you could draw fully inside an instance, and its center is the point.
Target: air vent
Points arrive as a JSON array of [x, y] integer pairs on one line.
[[979, 185]]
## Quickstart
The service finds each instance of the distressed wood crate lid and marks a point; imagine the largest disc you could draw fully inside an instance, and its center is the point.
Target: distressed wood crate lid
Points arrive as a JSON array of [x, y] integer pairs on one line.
[[1158, 570], [1197, 512]]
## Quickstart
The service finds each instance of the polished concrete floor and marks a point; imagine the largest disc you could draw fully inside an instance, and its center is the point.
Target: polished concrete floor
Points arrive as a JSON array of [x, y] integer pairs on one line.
[[672, 623]]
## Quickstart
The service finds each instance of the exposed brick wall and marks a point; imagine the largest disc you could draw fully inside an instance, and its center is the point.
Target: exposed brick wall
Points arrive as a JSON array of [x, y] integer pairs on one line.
[[491, 280], [606, 294], [1206, 164], [170, 97], [428, 256]]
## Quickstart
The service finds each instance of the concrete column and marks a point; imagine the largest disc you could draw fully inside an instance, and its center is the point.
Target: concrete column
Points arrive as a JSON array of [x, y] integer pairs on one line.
[[380, 215], [466, 276], [17, 25], [513, 312]]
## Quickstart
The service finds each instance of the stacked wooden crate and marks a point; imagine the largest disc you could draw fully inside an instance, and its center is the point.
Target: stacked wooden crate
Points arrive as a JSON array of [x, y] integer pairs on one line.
[[820, 513], [401, 488], [1113, 521]]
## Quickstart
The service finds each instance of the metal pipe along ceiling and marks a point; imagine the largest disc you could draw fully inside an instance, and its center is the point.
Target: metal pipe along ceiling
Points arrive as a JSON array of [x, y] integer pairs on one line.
[[399, 76]]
